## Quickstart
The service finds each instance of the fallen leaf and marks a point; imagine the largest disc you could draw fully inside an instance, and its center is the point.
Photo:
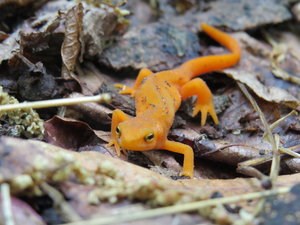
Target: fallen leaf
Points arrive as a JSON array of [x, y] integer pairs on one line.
[[68, 133], [72, 43], [254, 71], [99, 24], [271, 94], [89, 177]]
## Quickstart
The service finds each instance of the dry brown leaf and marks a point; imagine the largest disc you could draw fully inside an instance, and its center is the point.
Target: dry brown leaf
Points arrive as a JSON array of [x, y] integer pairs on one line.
[[89, 177], [30, 151], [99, 24], [270, 94], [231, 187], [37, 157], [72, 43], [285, 59], [91, 78], [255, 71], [69, 133]]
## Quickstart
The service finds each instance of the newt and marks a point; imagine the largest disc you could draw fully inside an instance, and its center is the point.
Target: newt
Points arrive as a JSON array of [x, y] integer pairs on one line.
[[158, 97]]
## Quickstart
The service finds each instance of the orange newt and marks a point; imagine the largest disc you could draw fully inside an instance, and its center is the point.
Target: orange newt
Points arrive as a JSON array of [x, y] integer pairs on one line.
[[158, 97]]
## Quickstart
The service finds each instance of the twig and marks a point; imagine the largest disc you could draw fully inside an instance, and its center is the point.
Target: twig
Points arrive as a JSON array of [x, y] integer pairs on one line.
[[227, 146], [288, 151], [277, 122], [276, 155], [66, 210], [187, 207], [56, 102], [6, 205]]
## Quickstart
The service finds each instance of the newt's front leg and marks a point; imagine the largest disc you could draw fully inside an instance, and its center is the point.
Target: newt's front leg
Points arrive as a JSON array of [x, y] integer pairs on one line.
[[131, 90], [204, 102], [187, 151], [118, 116]]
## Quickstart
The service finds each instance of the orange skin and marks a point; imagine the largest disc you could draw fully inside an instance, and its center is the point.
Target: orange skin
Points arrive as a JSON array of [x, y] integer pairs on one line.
[[158, 97]]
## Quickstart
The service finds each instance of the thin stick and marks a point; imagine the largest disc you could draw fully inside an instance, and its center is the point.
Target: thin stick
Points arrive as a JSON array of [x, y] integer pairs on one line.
[[66, 210], [289, 152], [6, 205], [277, 122], [276, 157], [126, 217], [56, 102]]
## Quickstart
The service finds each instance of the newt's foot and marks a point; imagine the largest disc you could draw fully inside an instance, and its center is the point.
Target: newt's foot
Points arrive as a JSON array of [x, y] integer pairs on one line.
[[116, 145], [189, 174], [125, 90], [205, 109]]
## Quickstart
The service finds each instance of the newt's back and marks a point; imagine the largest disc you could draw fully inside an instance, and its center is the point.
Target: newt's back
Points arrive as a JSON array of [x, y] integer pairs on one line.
[[158, 95]]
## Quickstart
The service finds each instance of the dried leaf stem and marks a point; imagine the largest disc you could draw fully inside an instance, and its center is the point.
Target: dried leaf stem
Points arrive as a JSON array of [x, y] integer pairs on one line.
[[288, 151], [59, 202], [276, 154], [56, 102], [187, 207], [277, 122]]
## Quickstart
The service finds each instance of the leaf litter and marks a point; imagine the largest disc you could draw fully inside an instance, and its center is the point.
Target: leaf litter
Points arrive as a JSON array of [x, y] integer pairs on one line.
[[42, 51]]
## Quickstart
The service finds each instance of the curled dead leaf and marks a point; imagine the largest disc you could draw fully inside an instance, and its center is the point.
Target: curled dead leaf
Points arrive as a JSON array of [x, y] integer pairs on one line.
[[72, 43], [68, 133]]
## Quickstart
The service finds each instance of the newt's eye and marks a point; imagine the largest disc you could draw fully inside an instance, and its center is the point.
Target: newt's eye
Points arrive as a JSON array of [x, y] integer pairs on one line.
[[118, 131], [149, 137]]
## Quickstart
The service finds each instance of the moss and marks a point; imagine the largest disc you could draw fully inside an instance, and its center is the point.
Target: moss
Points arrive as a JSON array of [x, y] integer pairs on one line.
[[21, 122], [111, 5]]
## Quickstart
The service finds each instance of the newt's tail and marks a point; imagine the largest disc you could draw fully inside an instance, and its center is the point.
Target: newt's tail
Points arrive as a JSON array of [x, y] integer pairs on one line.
[[210, 63]]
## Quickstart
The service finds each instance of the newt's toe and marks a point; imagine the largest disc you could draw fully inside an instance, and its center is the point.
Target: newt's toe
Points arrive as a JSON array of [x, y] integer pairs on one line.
[[124, 90], [205, 109], [189, 174], [116, 145]]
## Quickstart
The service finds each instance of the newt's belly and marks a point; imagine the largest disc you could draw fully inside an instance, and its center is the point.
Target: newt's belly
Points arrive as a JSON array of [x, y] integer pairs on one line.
[[157, 94]]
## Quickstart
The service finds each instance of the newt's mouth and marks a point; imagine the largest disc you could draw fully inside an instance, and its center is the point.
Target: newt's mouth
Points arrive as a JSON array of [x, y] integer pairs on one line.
[[131, 145]]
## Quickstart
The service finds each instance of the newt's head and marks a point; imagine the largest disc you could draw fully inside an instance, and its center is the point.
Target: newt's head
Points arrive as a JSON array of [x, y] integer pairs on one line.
[[137, 134]]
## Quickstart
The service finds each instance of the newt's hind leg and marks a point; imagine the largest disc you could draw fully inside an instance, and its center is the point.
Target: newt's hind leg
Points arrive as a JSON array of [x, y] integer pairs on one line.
[[204, 102], [131, 90], [118, 116]]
